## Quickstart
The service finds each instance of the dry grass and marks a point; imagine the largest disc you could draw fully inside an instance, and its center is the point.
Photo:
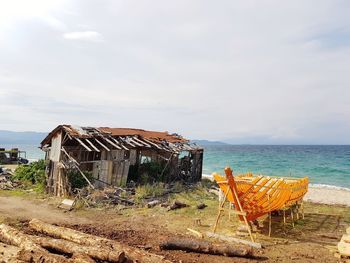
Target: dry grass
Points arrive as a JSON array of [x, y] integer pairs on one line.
[[319, 219], [149, 191]]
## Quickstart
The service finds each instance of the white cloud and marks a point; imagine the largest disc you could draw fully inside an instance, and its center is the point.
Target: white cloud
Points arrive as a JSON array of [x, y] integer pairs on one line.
[[16, 10], [83, 35], [231, 70], [54, 23]]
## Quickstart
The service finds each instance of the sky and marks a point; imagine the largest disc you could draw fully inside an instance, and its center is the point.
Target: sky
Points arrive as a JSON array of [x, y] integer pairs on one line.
[[239, 71]]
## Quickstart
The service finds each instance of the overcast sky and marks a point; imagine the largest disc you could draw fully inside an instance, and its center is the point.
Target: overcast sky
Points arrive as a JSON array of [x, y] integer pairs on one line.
[[244, 71]]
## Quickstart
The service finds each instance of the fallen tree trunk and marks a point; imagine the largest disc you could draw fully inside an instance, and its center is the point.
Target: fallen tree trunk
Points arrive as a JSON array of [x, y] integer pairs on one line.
[[8, 253], [95, 241], [206, 247], [30, 252], [14, 237], [82, 258], [35, 256], [234, 239], [68, 247]]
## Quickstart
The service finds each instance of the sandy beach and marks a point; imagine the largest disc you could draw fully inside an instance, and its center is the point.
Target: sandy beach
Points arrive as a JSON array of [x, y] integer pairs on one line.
[[329, 196]]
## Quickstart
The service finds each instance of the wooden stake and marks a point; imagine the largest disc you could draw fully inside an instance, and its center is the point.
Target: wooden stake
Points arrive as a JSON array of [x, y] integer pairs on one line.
[[220, 210], [297, 208], [244, 216], [302, 209], [268, 197]]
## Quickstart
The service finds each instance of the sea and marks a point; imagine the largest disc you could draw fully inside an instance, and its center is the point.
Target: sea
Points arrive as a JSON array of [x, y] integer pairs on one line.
[[326, 166], [32, 152]]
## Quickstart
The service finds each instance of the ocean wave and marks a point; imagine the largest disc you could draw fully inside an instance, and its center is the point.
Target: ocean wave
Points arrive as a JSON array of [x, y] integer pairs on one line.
[[207, 176]]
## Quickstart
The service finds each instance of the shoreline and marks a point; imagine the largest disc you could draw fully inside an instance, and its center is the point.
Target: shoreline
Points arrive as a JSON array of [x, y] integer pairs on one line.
[[328, 195], [321, 194]]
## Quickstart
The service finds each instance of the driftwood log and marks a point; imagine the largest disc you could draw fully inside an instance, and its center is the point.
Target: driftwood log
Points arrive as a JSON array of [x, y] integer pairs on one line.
[[82, 258], [68, 247], [177, 205], [35, 256], [234, 240], [201, 206], [195, 232], [30, 252], [95, 241], [153, 203], [14, 237], [9, 253], [206, 247]]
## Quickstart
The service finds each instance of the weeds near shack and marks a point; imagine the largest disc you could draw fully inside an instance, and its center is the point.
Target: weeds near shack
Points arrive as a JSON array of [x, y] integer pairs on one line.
[[33, 173], [32, 176], [207, 183], [178, 187], [149, 191]]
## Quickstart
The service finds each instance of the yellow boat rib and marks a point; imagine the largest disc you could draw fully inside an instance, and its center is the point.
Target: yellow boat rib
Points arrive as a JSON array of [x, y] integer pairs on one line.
[[259, 195]]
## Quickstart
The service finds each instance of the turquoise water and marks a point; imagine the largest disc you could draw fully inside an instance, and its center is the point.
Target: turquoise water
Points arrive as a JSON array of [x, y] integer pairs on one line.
[[32, 151], [325, 165]]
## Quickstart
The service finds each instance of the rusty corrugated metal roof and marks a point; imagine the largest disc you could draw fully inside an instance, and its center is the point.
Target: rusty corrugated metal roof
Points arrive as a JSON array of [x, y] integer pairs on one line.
[[123, 138], [150, 135]]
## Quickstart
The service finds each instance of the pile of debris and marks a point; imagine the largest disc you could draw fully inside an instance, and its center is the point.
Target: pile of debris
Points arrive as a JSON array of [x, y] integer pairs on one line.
[[111, 196], [60, 244], [6, 181], [107, 196]]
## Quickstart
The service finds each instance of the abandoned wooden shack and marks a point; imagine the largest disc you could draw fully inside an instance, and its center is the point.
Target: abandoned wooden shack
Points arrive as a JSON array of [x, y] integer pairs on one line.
[[117, 157]]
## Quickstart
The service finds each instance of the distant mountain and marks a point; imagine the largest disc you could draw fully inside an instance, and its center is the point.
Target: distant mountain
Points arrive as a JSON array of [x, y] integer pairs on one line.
[[206, 142], [11, 137]]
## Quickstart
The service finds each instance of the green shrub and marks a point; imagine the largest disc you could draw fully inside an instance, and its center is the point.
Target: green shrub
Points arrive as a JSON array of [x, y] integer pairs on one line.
[[33, 173], [76, 180], [151, 172]]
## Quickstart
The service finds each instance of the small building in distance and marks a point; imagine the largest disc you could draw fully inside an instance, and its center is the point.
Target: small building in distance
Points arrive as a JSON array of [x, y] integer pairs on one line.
[[117, 156]]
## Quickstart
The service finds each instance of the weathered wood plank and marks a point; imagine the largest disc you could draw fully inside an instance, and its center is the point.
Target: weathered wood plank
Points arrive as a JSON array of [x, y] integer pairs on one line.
[[83, 144], [104, 146], [112, 143], [93, 146]]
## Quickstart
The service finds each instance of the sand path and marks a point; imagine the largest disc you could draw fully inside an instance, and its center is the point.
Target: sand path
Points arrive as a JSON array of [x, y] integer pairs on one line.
[[20, 208]]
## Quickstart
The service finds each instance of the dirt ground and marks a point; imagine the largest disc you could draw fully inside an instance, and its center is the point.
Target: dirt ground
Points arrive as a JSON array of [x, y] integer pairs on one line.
[[313, 239], [12, 207]]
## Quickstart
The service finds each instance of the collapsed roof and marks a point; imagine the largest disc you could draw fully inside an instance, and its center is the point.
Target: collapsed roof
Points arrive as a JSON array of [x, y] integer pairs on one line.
[[105, 138]]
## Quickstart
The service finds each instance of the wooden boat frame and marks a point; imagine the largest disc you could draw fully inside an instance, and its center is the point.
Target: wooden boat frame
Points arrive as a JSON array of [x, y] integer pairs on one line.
[[255, 195]]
